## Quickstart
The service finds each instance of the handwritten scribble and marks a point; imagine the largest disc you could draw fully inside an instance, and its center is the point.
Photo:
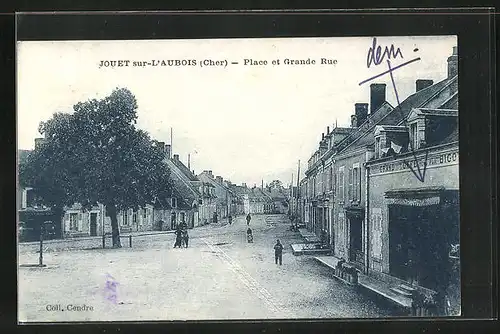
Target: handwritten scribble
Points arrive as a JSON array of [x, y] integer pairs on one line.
[[375, 56], [110, 288]]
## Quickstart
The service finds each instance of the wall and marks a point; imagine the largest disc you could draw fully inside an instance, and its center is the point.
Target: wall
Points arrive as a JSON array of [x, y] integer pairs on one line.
[[386, 176]]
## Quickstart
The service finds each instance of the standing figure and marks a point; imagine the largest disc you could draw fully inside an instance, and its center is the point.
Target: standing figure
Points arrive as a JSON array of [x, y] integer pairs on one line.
[[185, 238], [230, 219], [278, 252], [248, 218], [215, 218], [249, 235], [178, 238]]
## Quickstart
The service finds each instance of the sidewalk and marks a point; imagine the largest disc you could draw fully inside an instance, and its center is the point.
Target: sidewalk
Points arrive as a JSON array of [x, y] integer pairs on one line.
[[379, 287], [309, 236]]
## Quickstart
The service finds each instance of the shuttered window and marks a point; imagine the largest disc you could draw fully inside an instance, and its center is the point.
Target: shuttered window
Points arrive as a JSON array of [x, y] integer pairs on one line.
[[350, 190], [341, 184]]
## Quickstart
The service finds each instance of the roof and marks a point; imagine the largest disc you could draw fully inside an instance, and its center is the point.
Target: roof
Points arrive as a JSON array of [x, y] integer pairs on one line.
[[396, 116], [205, 177], [184, 170], [182, 182]]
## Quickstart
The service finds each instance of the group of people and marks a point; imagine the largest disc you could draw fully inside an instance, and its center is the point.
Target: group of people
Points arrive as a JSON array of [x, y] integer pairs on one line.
[[181, 236], [182, 239]]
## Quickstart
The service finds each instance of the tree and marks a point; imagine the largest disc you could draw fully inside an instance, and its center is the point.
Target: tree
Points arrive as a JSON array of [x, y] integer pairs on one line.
[[97, 155]]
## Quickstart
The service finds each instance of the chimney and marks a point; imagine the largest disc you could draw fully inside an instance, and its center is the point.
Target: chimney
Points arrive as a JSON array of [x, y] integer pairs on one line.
[[453, 63], [327, 130], [354, 121], [210, 173], [422, 83], [161, 145], [168, 151], [361, 112], [377, 96], [38, 142], [219, 179], [176, 157], [244, 184], [322, 136]]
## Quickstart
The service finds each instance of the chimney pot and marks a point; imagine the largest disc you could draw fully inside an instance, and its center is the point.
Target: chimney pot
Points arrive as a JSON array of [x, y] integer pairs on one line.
[[176, 157], [453, 63], [354, 121], [168, 151], [361, 112], [322, 136], [327, 130], [423, 83], [161, 145], [377, 96]]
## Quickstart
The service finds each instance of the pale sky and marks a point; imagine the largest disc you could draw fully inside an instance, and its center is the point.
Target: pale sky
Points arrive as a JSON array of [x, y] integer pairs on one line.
[[245, 123]]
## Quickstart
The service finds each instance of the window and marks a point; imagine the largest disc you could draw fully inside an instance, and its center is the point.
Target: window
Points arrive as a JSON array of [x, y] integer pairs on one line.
[[134, 217], [73, 221], [173, 202], [413, 136], [341, 184], [125, 218], [144, 213], [356, 181], [182, 217], [350, 191]]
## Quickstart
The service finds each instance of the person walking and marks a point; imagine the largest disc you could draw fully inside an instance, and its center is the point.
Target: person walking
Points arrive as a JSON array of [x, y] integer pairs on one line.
[[249, 235], [278, 252], [178, 238], [230, 219], [248, 218], [185, 237]]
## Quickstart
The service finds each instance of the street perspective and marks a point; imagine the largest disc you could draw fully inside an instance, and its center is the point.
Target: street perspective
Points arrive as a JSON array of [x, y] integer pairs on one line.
[[238, 179]]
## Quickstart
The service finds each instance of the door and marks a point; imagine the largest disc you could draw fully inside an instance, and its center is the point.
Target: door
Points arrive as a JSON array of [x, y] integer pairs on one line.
[[355, 242], [93, 224], [173, 221], [398, 242]]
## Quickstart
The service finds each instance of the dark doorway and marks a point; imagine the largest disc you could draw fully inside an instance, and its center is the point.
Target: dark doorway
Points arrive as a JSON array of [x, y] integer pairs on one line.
[[416, 244], [355, 240], [93, 224], [173, 221]]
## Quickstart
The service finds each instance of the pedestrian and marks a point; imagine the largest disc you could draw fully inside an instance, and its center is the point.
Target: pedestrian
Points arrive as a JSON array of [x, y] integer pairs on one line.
[[248, 218], [185, 237], [230, 219], [249, 235], [278, 252], [178, 238], [215, 218]]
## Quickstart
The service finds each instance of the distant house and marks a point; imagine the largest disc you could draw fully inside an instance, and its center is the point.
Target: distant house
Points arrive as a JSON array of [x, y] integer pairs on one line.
[[279, 199], [197, 197], [225, 196]]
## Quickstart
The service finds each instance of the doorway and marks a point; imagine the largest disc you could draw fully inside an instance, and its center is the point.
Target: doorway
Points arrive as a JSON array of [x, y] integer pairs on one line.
[[355, 240], [415, 244], [173, 221], [93, 224]]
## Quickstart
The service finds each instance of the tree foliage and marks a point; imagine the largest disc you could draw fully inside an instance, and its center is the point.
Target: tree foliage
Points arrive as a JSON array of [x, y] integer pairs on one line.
[[97, 155]]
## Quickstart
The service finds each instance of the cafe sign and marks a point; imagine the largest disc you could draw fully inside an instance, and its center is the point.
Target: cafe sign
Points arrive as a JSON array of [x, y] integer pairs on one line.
[[448, 158]]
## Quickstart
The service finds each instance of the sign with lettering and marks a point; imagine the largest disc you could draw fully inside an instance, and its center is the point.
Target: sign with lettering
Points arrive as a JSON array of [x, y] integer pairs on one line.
[[410, 163]]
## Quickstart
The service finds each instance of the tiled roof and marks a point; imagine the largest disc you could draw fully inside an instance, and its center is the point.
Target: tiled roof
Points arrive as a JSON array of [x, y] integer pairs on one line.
[[182, 183], [397, 115], [184, 170]]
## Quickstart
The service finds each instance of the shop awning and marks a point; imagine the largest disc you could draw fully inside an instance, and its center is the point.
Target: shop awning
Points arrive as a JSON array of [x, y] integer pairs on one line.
[[415, 197]]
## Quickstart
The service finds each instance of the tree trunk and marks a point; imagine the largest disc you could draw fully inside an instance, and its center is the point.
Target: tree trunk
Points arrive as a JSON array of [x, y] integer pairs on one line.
[[115, 232]]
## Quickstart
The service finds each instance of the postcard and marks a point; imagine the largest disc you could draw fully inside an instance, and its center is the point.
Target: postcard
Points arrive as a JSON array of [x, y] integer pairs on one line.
[[238, 179]]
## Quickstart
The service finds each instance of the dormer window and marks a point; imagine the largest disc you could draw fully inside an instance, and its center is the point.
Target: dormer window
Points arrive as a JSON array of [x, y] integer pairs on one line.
[[173, 202]]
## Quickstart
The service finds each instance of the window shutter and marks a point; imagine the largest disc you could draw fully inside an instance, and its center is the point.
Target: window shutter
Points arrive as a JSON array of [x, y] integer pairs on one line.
[[359, 184], [349, 191]]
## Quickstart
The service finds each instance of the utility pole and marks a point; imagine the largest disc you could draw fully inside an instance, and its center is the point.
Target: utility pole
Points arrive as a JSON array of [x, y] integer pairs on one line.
[[298, 178]]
